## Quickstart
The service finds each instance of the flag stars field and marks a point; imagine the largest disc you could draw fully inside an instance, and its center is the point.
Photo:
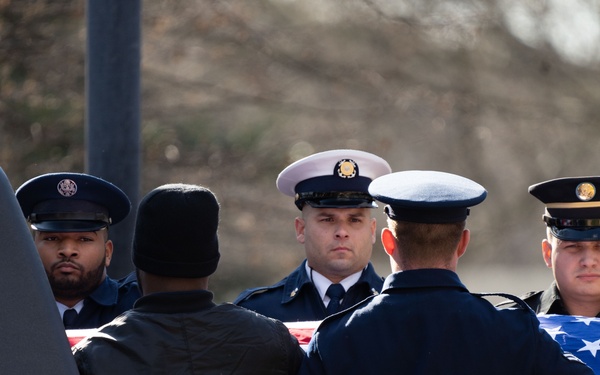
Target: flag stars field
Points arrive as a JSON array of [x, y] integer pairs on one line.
[[592, 347], [578, 335]]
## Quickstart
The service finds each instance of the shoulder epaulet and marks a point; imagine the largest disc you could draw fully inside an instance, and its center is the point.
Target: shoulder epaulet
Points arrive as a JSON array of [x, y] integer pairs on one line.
[[518, 301], [127, 279], [525, 297], [252, 292], [530, 294], [249, 292]]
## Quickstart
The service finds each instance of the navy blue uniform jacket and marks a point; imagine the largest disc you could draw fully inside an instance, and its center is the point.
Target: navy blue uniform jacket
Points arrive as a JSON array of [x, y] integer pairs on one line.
[[296, 299], [427, 322], [108, 301]]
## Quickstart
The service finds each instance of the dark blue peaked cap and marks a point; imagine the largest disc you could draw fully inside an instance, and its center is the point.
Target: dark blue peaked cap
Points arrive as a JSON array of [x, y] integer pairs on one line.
[[572, 207], [71, 202], [427, 196]]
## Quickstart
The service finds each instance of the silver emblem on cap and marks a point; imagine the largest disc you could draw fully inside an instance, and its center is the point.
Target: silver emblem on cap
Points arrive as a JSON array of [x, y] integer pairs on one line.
[[67, 188], [585, 191], [346, 168]]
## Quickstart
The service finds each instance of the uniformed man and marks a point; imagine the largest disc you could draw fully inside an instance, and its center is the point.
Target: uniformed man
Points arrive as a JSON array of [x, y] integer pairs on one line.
[[425, 321], [571, 247], [337, 230], [70, 214]]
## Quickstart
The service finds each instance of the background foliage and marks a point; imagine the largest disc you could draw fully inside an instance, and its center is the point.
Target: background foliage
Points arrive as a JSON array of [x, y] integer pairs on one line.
[[503, 92]]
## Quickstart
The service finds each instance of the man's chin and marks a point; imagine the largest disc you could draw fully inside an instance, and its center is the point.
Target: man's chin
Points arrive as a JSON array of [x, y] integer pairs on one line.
[[75, 284], [344, 267], [67, 281], [586, 292], [66, 287]]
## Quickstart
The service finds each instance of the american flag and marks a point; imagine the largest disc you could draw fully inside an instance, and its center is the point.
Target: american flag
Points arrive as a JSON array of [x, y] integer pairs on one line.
[[301, 330], [578, 335]]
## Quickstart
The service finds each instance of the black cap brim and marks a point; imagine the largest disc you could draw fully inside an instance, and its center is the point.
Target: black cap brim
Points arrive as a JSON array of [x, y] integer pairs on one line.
[[341, 203], [69, 226], [576, 234]]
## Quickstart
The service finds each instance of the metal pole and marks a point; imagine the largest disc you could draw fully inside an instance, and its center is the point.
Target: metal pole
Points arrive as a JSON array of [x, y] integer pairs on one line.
[[113, 109]]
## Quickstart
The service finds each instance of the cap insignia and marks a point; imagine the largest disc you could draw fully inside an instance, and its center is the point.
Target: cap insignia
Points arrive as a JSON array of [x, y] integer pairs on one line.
[[346, 168], [67, 188], [585, 191]]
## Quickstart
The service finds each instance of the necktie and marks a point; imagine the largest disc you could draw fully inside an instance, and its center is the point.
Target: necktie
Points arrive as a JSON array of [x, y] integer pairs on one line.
[[69, 317], [336, 293]]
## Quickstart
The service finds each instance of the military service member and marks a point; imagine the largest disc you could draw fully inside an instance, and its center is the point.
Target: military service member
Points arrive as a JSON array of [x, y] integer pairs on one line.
[[337, 230], [69, 214], [425, 321], [571, 247]]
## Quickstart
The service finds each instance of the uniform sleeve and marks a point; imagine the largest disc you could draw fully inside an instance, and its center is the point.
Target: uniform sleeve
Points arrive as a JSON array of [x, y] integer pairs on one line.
[[312, 363], [81, 361]]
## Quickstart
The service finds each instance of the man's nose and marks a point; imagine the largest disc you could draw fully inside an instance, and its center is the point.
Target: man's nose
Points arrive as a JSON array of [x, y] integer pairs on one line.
[[341, 231], [68, 249], [590, 256]]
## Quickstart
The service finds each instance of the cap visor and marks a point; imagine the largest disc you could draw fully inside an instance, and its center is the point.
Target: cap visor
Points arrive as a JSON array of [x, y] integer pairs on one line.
[[576, 234], [341, 203], [69, 226]]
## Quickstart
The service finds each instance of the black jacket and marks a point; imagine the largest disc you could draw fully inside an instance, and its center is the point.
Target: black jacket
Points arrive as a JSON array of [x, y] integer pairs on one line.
[[186, 333], [547, 301]]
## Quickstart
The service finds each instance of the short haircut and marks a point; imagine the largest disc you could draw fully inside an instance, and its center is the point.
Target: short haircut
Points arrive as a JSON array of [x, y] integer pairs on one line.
[[421, 242]]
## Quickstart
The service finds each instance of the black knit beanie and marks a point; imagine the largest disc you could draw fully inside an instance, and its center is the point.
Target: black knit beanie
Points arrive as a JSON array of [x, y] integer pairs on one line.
[[176, 232]]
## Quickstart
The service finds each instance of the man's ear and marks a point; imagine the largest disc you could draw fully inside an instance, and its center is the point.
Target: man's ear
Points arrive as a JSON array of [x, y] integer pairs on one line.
[[108, 252], [373, 230], [547, 252], [463, 243], [388, 241], [300, 225]]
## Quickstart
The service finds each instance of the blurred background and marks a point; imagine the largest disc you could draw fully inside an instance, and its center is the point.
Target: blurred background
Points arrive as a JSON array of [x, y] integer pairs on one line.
[[503, 92]]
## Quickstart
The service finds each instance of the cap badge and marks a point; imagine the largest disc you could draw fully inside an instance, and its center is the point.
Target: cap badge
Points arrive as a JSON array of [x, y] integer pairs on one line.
[[346, 168], [585, 191], [67, 188]]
